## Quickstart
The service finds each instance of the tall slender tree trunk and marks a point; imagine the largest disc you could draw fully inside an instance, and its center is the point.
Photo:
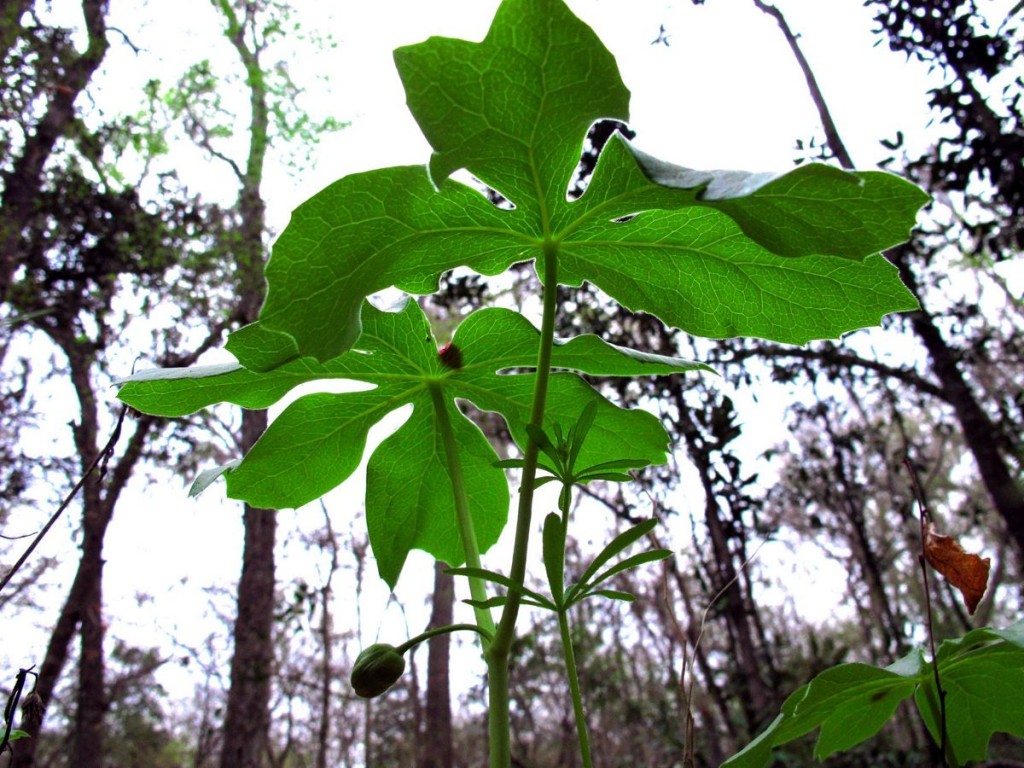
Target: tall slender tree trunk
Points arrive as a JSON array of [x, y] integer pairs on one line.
[[751, 657], [247, 716], [83, 607], [326, 631], [436, 743], [978, 430]]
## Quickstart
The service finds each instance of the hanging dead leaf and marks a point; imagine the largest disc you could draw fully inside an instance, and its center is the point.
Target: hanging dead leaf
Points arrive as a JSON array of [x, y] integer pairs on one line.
[[966, 572]]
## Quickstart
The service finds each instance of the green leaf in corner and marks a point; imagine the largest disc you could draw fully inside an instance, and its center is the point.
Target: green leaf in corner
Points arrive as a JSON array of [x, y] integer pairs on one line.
[[849, 702], [982, 674]]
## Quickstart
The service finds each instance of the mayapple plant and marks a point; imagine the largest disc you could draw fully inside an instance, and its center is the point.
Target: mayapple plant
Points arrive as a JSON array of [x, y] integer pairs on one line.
[[790, 257]]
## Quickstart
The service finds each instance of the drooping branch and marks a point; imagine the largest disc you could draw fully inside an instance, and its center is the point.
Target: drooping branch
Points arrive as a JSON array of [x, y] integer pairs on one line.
[[832, 356]]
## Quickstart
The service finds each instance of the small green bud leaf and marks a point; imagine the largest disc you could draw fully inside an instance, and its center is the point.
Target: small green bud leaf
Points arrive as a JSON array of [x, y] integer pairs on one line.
[[376, 669]]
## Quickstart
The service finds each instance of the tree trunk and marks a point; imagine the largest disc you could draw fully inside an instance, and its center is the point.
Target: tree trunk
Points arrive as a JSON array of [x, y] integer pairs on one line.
[[327, 646], [247, 718], [436, 742], [92, 694], [84, 602], [736, 606], [979, 432]]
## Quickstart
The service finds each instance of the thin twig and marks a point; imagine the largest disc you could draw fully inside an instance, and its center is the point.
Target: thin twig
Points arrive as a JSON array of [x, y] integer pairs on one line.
[[99, 458], [831, 131], [688, 677], [925, 519], [12, 704]]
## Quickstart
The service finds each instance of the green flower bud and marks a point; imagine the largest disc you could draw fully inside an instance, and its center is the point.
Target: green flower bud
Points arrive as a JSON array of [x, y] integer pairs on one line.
[[376, 669]]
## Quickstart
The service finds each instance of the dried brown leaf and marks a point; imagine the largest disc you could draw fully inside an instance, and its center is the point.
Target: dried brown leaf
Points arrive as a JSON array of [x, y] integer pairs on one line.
[[966, 572]]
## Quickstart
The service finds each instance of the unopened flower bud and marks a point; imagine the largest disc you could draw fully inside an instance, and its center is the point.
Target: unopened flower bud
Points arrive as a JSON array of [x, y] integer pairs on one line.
[[376, 669]]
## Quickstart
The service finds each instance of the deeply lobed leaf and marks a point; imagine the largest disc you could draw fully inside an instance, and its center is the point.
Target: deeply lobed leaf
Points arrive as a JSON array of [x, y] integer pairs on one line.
[[789, 258], [319, 440]]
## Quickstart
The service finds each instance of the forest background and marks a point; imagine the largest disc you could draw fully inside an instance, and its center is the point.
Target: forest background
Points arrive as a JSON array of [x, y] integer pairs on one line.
[[135, 219]]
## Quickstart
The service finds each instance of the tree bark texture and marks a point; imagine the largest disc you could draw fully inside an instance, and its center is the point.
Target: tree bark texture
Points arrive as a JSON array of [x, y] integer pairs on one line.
[[83, 606], [436, 743], [247, 717], [326, 631]]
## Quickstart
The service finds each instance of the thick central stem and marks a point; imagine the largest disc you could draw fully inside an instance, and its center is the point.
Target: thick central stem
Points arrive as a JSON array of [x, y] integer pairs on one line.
[[497, 654], [470, 548]]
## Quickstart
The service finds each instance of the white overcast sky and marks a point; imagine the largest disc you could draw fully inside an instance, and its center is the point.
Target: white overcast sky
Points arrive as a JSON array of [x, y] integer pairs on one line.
[[725, 93]]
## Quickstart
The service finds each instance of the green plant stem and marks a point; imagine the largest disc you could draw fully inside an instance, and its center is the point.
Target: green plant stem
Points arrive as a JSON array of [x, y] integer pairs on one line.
[[497, 655], [571, 672], [574, 688], [470, 548], [424, 636]]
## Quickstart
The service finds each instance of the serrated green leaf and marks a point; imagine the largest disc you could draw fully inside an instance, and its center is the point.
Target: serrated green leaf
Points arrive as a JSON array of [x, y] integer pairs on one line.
[[855, 696], [409, 494], [319, 440], [789, 257], [984, 687]]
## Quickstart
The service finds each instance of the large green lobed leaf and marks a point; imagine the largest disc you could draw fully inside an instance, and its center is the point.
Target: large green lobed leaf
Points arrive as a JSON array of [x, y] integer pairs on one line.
[[790, 258], [319, 439]]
